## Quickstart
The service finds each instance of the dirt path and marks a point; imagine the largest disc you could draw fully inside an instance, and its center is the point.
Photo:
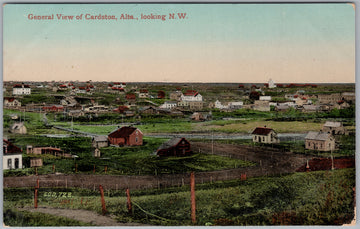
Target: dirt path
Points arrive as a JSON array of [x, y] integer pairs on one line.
[[80, 215]]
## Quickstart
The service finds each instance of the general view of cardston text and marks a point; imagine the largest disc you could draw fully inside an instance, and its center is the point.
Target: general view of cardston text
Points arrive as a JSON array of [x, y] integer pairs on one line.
[[178, 114]]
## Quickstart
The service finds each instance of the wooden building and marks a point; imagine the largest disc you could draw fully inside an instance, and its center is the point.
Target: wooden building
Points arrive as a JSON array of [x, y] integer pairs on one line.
[[329, 98], [100, 141], [18, 128], [12, 156], [96, 152], [197, 117], [334, 128], [174, 147], [265, 135], [46, 150], [12, 102], [36, 162], [320, 141], [129, 136]]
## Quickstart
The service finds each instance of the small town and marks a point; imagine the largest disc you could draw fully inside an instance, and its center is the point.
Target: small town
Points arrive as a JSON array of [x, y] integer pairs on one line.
[[258, 153]]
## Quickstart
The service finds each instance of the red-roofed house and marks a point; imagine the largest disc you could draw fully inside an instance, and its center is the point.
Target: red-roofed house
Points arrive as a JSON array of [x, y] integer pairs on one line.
[[130, 96], [81, 90], [126, 135], [63, 87], [144, 93], [191, 95], [21, 89], [12, 156], [121, 109], [11, 102], [265, 135], [53, 108]]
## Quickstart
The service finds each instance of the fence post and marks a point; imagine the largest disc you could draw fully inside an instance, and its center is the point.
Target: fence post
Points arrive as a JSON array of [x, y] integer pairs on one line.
[[105, 168], [94, 169], [36, 194], [128, 204], [243, 176], [102, 199], [193, 204], [53, 168], [35, 198], [75, 168]]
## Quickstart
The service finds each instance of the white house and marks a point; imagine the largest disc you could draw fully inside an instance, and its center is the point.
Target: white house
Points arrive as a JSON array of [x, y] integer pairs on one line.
[[168, 105], [12, 156], [144, 94], [191, 96], [235, 105], [271, 83], [21, 89], [265, 98], [265, 135], [11, 102], [218, 105]]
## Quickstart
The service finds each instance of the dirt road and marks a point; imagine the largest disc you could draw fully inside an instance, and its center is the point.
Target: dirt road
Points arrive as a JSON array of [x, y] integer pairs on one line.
[[80, 215]]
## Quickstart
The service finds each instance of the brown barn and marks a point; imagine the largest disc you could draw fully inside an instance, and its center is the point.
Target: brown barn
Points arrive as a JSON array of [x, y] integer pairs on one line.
[[126, 135], [174, 147]]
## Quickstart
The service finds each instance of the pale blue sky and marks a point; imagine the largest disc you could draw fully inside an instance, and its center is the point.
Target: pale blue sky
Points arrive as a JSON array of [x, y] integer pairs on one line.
[[300, 41]]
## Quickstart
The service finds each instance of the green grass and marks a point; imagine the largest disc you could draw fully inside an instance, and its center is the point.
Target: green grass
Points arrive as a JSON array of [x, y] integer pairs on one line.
[[136, 160], [316, 198]]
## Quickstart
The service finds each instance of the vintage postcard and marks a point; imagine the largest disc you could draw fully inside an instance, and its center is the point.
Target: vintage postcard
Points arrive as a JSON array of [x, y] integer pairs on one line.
[[178, 114]]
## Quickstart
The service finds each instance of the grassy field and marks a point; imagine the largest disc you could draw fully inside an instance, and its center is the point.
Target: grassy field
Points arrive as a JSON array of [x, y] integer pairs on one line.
[[249, 126], [316, 198], [221, 126], [33, 122], [119, 160]]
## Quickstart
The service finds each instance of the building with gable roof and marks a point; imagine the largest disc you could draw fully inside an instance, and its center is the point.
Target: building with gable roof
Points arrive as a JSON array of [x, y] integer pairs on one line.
[[191, 96], [21, 89], [100, 141], [11, 102], [334, 128], [320, 141], [265, 135], [18, 128], [174, 147], [126, 135], [12, 156]]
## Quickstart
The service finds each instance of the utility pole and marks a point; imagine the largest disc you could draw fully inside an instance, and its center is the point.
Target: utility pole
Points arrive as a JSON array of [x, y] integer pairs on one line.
[[212, 142]]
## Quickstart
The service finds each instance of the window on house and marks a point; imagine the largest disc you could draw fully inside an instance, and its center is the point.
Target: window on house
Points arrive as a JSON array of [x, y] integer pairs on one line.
[[9, 163], [136, 139], [16, 163]]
